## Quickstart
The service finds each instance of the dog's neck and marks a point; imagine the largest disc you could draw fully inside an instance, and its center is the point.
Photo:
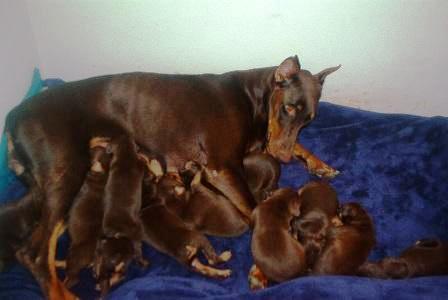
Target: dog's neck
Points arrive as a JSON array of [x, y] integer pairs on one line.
[[258, 85]]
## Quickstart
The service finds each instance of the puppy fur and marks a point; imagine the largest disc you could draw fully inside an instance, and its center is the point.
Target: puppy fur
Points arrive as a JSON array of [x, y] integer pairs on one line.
[[17, 220], [85, 218], [319, 205], [427, 257], [208, 211], [165, 230], [279, 256], [347, 246]]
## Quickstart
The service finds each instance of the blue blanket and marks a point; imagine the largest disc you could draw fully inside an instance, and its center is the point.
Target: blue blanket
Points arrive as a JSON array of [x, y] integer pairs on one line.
[[395, 165]]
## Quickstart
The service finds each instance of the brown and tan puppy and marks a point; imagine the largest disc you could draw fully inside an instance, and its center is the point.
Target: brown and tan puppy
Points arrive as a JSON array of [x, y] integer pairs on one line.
[[85, 218], [276, 253], [166, 231], [426, 257], [347, 246], [319, 205]]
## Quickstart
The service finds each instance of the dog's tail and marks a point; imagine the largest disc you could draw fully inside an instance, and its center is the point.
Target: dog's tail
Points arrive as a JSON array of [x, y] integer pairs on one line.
[[56, 290]]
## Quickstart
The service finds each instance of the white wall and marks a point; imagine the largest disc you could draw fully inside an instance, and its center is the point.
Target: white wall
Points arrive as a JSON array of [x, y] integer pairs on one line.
[[18, 54], [394, 53]]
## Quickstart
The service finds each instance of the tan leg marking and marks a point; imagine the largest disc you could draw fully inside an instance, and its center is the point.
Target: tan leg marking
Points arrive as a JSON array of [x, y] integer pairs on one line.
[[314, 164], [209, 271]]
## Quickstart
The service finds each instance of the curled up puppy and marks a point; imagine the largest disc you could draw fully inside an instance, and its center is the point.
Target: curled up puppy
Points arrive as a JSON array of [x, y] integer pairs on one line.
[[318, 211], [427, 257], [348, 246], [277, 254]]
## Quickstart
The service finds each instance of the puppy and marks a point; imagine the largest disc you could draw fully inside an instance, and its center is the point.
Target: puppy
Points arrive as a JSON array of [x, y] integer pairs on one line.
[[426, 257], [207, 210], [347, 246], [276, 253], [17, 220], [85, 217], [114, 254], [165, 231], [319, 205], [262, 172]]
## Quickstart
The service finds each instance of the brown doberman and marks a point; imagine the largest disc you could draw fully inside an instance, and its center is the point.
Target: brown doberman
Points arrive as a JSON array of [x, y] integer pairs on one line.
[[212, 119]]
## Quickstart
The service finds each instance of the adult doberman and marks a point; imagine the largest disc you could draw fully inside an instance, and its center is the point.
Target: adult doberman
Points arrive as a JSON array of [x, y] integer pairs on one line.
[[211, 119]]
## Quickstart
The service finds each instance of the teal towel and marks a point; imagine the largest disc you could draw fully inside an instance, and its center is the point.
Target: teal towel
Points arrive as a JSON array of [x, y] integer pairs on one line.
[[6, 175]]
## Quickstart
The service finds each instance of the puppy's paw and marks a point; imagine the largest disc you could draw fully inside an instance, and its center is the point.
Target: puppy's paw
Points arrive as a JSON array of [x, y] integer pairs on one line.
[[257, 280], [225, 256]]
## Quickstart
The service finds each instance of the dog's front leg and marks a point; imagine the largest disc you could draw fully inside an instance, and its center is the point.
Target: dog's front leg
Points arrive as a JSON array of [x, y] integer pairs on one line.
[[313, 163]]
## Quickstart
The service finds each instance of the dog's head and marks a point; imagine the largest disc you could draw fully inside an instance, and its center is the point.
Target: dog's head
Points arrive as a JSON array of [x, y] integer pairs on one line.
[[293, 105]]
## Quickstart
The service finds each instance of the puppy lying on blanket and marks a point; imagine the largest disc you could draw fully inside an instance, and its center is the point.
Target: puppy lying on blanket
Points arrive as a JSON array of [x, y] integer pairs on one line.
[[347, 246], [110, 256], [166, 231], [277, 254], [319, 206], [424, 258], [85, 218]]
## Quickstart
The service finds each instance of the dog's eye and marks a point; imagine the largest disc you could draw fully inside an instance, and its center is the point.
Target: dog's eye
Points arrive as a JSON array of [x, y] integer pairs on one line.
[[291, 110]]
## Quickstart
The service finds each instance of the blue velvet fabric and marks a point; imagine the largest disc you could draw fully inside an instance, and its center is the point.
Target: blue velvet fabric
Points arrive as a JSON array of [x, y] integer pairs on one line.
[[395, 165]]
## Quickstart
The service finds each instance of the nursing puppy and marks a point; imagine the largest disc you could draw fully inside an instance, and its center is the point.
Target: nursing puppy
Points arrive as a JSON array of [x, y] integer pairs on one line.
[[165, 230], [319, 205], [85, 218], [114, 254], [426, 257], [347, 246], [206, 209], [276, 253]]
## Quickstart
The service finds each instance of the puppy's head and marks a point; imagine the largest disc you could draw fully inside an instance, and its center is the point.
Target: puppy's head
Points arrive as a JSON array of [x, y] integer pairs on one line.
[[286, 200], [352, 212], [314, 223], [319, 195], [171, 187]]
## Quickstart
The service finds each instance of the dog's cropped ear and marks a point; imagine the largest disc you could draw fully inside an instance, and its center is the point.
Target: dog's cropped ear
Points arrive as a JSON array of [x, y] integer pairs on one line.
[[288, 70], [324, 73]]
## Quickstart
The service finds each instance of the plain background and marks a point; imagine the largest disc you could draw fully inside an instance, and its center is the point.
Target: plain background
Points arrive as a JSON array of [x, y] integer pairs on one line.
[[394, 53]]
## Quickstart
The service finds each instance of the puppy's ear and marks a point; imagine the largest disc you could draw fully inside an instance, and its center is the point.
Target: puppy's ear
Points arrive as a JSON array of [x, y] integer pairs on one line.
[[287, 70], [324, 73]]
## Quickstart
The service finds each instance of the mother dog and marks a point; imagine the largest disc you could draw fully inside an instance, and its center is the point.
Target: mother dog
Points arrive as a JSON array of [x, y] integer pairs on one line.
[[211, 119]]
